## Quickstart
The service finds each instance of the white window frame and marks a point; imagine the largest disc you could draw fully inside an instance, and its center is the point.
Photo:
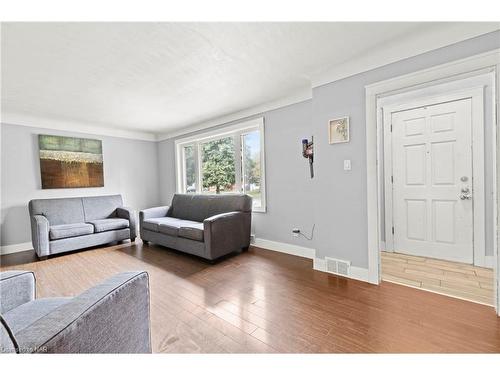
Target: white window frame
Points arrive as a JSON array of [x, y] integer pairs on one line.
[[236, 131]]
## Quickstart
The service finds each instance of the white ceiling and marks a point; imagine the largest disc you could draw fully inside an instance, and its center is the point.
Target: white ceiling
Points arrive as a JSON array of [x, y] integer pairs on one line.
[[160, 77]]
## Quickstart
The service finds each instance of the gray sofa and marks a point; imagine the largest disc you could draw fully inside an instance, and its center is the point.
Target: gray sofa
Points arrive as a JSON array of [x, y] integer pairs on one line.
[[112, 317], [208, 226], [65, 224]]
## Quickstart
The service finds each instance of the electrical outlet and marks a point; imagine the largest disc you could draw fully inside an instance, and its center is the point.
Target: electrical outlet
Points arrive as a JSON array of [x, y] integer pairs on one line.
[[295, 232]]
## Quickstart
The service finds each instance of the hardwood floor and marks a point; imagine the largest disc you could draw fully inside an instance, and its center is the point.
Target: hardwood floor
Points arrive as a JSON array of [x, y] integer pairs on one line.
[[263, 301], [450, 278]]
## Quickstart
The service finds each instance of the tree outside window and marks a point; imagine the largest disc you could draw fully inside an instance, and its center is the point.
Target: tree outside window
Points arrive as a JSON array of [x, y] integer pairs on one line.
[[218, 169]]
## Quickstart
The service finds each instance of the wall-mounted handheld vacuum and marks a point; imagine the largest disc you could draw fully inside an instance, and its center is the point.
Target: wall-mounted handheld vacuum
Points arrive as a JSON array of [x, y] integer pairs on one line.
[[308, 152]]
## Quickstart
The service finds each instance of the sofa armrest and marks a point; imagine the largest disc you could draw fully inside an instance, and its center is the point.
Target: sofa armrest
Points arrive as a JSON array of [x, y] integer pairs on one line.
[[40, 234], [225, 232], [112, 317], [224, 217], [153, 212], [129, 214], [16, 288]]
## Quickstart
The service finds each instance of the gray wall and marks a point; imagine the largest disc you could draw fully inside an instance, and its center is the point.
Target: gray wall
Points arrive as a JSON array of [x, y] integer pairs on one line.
[[166, 164], [130, 168], [335, 199], [340, 197]]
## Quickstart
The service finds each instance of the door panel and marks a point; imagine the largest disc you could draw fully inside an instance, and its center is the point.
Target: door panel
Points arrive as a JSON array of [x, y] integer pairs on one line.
[[443, 163], [416, 219], [415, 164], [432, 163], [443, 219]]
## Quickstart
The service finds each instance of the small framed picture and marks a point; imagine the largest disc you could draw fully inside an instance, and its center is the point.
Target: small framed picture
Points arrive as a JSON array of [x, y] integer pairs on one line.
[[338, 130]]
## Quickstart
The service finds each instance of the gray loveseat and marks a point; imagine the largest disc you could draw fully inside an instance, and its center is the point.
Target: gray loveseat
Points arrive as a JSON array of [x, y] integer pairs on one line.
[[112, 317], [208, 226], [65, 224]]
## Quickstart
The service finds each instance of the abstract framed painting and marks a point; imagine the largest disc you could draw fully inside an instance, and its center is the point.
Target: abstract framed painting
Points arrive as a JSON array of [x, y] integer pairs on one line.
[[68, 162]]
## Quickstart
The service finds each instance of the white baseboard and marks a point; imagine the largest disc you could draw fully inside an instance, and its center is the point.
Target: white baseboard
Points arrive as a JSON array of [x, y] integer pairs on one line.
[[382, 246], [357, 273], [489, 261], [319, 264], [16, 248], [304, 252]]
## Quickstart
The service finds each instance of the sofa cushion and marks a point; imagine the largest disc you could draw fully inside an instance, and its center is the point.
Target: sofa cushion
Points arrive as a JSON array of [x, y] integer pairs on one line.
[[101, 207], [198, 207], [104, 225], [170, 226], [153, 224], [58, 211], [28, 313], [167, 225], [70, 230], [192, 231]]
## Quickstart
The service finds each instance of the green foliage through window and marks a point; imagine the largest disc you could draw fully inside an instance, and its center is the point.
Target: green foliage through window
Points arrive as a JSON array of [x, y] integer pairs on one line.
[[218, 169]]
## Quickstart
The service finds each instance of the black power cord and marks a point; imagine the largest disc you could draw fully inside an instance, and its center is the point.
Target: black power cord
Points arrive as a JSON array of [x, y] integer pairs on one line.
[[297, 231]]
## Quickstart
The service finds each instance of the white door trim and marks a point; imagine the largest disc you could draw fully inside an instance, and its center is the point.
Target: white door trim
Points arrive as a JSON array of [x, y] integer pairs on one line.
[[470, 66], [476, 94]]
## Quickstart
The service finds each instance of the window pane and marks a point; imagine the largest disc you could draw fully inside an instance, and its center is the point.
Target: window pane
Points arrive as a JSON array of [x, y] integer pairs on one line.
[[251, 166], [190, 169], [218, 167]]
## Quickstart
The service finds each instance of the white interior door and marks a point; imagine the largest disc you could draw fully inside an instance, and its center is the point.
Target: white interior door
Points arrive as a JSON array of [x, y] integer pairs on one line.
[[432, 181]]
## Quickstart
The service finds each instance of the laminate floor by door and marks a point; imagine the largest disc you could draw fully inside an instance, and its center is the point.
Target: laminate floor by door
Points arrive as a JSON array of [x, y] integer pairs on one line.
[[450, 278]]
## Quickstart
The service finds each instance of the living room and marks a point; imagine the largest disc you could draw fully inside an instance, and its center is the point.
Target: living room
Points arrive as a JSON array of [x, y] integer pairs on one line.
[[236, 187]]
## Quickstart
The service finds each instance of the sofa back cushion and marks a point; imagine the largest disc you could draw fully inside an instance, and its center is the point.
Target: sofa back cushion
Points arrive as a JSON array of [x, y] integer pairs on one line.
[[76, 210], [198, 207], [101, 207], [58, 211]]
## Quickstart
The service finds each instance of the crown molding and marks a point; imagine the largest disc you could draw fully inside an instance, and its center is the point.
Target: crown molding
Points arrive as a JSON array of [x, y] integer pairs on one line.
[[72, 126], [402, 49], [297, 97]]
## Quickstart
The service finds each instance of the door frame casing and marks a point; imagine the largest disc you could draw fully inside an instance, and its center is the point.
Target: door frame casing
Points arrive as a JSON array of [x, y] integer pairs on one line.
[[488, 61], [421, 98]]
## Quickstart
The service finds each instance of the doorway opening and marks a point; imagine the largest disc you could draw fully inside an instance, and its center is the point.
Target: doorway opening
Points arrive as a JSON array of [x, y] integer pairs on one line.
[[436, 189]]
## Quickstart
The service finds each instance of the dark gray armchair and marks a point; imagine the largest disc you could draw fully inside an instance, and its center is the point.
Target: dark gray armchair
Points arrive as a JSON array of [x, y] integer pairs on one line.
[[112, 317], [208, 226]]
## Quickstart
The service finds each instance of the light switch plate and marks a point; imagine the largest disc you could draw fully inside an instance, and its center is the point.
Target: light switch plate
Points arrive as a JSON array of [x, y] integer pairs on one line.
[[347, 165]]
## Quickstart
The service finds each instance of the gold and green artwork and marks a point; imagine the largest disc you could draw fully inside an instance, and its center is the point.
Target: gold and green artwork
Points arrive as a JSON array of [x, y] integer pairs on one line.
[[67, 162]]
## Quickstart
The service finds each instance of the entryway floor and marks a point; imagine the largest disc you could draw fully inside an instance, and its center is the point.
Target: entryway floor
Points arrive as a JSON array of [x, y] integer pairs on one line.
[[450, 278]]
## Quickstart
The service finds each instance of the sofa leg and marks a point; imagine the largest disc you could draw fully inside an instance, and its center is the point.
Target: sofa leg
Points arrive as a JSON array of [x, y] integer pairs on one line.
[[132, 239], [144, 242], [45, 257], [245, 248]]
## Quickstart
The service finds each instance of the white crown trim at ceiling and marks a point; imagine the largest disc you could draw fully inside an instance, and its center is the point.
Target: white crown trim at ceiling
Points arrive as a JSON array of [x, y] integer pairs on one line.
[[10, 118], [297, 97], [402, 49]]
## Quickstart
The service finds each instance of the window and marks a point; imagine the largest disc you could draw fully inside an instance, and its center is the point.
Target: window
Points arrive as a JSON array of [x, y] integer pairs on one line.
[[230, 160]]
